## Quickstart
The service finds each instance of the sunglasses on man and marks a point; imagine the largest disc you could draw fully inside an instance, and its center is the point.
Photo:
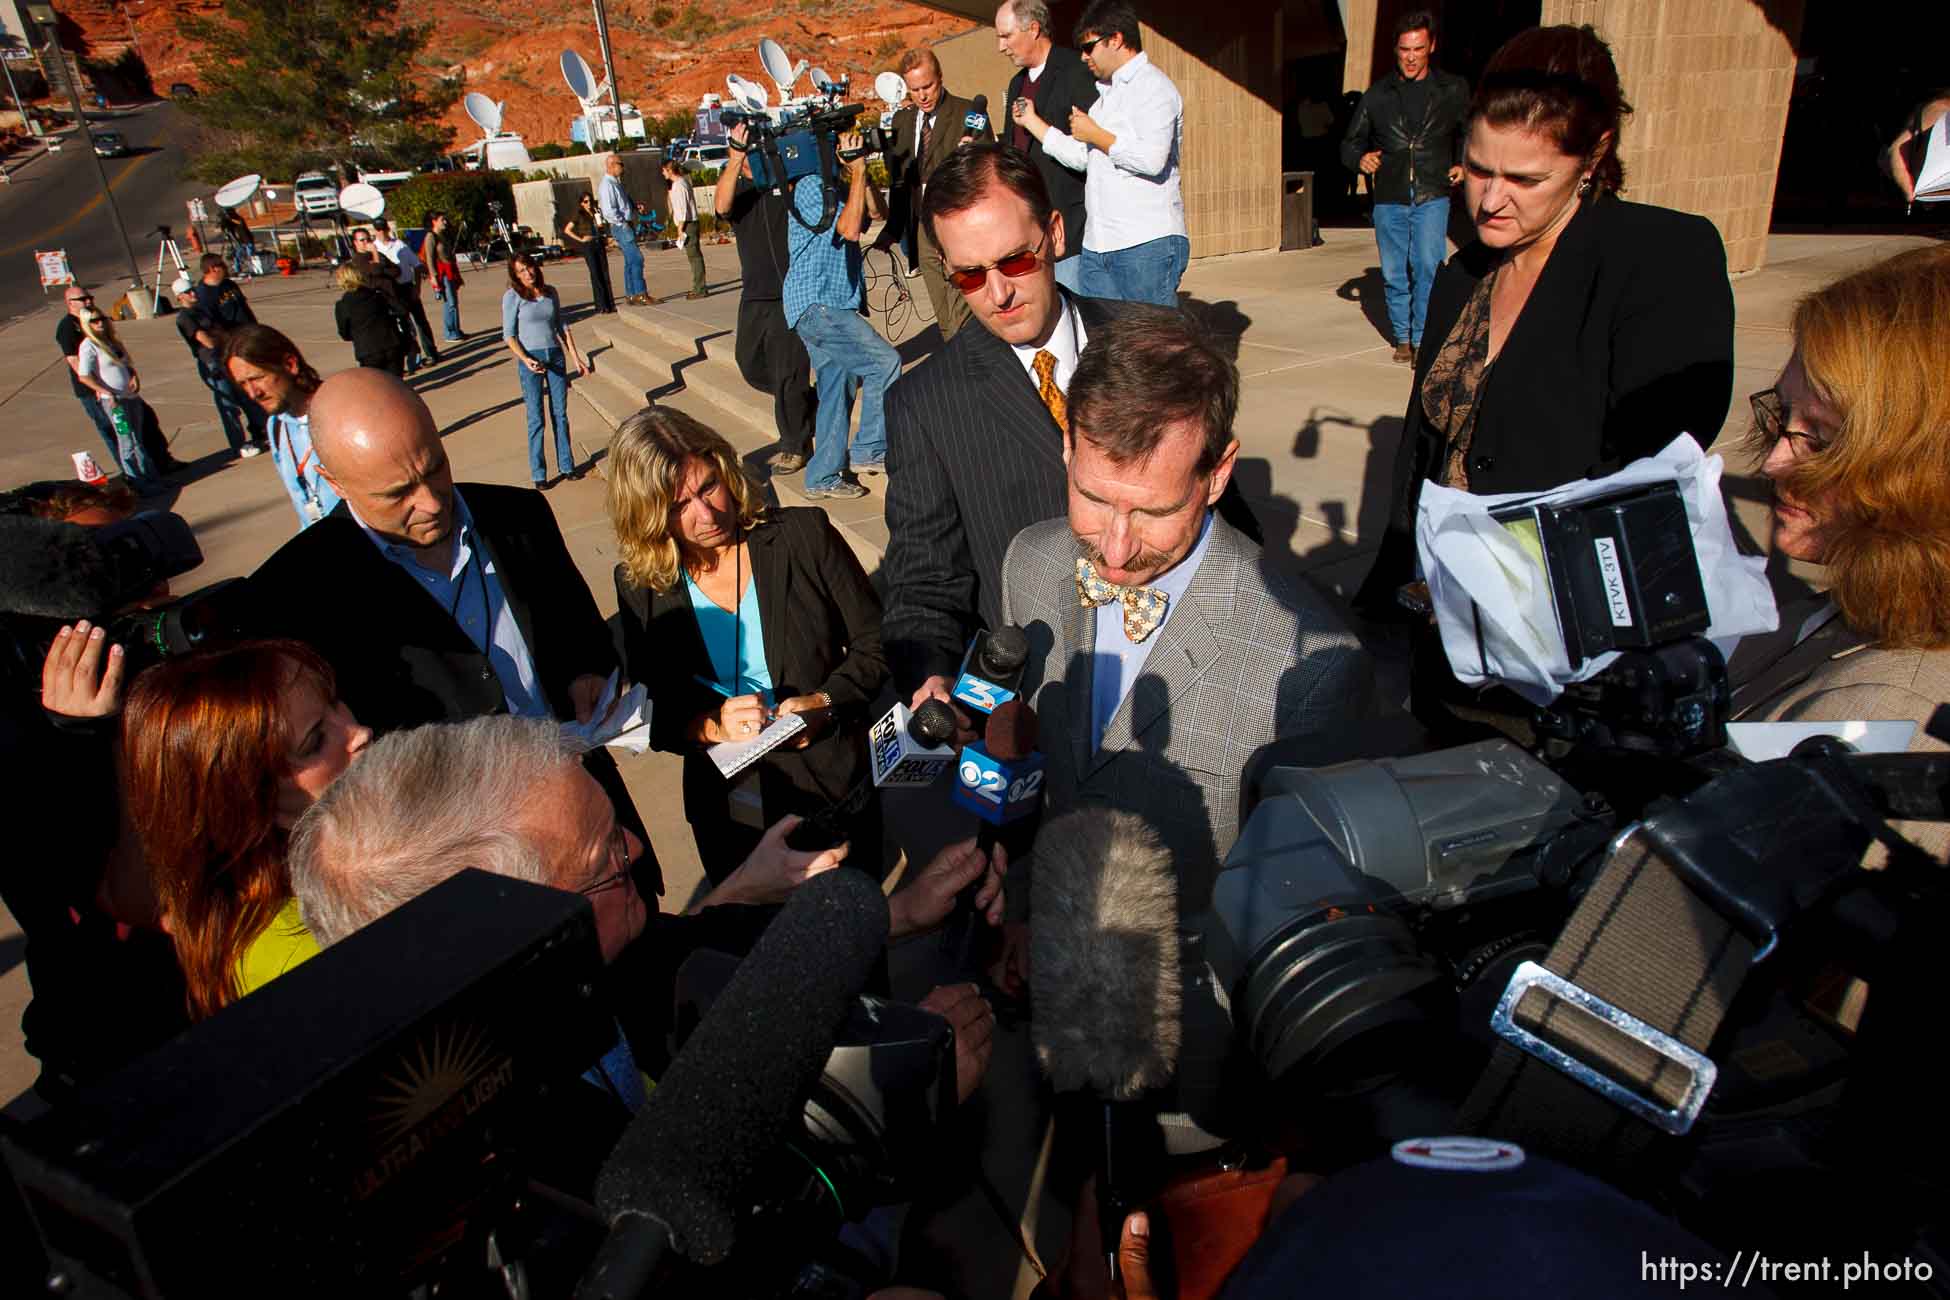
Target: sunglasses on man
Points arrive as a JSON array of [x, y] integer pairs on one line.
[[1015, 266]]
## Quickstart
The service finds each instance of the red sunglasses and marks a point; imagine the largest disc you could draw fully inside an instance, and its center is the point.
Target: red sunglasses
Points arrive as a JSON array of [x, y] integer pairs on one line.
[[1015, 266]]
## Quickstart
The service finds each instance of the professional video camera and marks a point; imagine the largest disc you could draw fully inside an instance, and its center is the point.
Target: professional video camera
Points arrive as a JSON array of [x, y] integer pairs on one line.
[[55, 573], [1618, 946]]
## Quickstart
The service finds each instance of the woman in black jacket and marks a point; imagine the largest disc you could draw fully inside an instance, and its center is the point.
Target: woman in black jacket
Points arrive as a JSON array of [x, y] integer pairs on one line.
[[734, 614], [369, 319], [1578, 332]]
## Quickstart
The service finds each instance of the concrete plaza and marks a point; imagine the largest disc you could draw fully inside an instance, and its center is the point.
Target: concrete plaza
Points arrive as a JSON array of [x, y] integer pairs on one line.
[[1319, 422]]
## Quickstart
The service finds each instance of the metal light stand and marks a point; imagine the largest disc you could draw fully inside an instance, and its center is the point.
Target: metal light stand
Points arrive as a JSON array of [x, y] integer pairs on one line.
[[167, 252]]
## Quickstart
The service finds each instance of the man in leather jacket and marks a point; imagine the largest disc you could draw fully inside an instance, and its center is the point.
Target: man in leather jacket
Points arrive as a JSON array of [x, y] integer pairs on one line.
[[1407, 137]]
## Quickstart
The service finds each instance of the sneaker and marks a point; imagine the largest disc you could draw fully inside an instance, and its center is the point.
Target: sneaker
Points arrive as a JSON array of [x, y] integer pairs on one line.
[[788, 462], [454, 338], [695, 294], [1405, 353], [249, 449], [839, 490], [869, 467]]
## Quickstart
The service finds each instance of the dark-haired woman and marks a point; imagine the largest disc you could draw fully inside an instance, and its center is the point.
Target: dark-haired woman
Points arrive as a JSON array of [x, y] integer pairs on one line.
[[222, 752], [583, 232], [533, 328], [1578, 332], [736, 614]]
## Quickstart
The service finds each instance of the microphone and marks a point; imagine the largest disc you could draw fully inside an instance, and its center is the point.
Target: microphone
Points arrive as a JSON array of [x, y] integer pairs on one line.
[[991, 669], [912, 749], [999, 778], [676, 1180], [58, 570], [978, 116], [1104, 984]]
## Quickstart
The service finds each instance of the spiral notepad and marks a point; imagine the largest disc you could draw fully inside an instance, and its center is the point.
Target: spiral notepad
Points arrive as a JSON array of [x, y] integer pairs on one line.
[[734, 756]]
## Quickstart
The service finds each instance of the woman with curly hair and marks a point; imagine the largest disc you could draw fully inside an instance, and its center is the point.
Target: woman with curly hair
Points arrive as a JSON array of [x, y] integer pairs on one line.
[[223, 750], [1854, 438], [736, 614]]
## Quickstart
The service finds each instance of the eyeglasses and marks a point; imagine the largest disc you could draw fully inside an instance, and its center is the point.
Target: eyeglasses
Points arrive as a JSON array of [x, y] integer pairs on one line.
[[86, 297], [1015, 266], [619, 851], [1771, 416], [1084, 47]]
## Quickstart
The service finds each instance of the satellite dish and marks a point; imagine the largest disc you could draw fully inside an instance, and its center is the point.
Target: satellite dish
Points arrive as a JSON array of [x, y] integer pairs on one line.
[[891, 88], [575, 71], [778, 67], [821, 82], [239, 191], [362, 201], [747, 94], [484, 111]]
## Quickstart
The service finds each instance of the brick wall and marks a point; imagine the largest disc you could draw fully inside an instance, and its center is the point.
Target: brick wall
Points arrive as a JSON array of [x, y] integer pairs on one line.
[[1708, 81]]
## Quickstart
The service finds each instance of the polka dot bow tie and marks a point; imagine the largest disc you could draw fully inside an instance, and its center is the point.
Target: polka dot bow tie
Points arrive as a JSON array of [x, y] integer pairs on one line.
[[1144, 607]]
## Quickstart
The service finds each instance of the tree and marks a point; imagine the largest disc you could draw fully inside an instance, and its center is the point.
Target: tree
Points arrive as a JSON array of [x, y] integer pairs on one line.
[[299, 86]]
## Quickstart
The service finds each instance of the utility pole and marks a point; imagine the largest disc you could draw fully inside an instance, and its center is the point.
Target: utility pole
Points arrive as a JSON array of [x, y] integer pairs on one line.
[[44, 15], [609, 71], [133, 43]]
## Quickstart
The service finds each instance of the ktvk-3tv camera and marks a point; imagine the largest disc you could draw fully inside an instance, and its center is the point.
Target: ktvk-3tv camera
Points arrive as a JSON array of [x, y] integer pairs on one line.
[[1621, 942]]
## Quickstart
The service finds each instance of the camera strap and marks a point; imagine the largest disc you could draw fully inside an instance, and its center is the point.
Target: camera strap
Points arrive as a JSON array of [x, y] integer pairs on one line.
[[1604, 1042]]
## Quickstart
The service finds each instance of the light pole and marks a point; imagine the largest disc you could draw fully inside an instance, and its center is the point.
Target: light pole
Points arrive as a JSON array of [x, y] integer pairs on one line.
[[45, 16], [609, 71]]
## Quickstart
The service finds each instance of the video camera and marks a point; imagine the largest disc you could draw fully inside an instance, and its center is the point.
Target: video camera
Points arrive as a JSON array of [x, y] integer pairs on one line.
[[1608, 946]]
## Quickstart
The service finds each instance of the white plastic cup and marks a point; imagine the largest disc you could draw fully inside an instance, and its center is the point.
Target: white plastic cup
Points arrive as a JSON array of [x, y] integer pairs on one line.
[[87, 470]]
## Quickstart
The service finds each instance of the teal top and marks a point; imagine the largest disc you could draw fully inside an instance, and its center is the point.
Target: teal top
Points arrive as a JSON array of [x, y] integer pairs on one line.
[[728, 640]]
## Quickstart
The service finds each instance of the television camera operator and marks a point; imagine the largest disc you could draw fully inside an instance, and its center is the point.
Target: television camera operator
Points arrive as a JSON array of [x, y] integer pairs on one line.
[[104, 979]]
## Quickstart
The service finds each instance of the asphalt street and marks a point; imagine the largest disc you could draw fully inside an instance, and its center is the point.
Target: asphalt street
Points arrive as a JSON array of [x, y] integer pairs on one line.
[[55, 201]]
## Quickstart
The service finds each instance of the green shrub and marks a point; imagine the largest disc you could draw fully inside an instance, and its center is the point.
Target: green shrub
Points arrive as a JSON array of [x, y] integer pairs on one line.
[[463, 196], [550, 149]]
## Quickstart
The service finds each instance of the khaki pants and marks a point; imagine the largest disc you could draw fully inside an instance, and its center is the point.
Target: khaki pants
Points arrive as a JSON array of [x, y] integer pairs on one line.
[[950, 308]]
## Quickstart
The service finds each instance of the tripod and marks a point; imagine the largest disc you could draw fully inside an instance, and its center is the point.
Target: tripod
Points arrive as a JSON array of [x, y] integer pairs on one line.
[[166, 253]]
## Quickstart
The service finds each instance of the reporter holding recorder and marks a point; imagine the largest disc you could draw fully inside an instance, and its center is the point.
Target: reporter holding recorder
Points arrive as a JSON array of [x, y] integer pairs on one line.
[[734, 614]]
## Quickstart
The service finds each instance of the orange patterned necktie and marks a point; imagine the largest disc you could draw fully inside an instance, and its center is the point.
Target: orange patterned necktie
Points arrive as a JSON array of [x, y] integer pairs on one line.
[[1045, 363]]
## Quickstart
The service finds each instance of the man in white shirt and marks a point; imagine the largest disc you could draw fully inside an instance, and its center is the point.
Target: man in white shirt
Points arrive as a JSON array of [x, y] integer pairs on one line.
[[683, 216], [387, 243], [1127, 145]]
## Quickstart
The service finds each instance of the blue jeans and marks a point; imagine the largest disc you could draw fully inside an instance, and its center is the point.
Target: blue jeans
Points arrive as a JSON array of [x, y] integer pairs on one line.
[[99, 415], [1412, 240], [230, 409], [845, 349], [450, 312], [625, 237], [1146, 272], [136, 468], [556, 377], [1069, 272]]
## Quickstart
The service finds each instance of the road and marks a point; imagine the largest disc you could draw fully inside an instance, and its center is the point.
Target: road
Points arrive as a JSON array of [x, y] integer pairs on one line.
[[55, 201]]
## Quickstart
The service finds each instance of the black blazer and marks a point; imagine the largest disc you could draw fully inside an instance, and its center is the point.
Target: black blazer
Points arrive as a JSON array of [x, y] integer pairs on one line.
[[973, 458], [370, 323], [1064, 85], [822, 633], [1626, 342]]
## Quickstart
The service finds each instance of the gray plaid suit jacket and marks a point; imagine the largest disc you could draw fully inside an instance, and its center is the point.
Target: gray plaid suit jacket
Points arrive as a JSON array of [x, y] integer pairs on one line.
[[1249, 655]]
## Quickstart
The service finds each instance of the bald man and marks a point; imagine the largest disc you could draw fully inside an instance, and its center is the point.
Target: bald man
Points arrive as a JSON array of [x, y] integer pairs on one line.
[[435, 601]]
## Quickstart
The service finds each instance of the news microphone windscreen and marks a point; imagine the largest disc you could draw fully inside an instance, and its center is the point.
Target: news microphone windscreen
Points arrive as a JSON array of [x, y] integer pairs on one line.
[[1012, 732], [1005, 650], [740, 1083], [980, 104], [932, 724], [1103, 969], [54, 570]]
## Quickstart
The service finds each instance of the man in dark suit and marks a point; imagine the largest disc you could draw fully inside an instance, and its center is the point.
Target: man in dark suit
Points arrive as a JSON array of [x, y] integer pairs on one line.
[[433, 601], [974, 446], [1054, 81], [1164, 646], [926, 132]]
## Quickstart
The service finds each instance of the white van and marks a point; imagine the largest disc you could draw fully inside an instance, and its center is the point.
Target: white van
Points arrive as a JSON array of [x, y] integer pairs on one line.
[[496, 153], [314, 194]]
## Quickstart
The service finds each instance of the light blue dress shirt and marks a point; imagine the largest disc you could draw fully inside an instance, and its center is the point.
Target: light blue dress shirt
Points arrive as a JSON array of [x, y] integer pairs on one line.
[[311, 496], [1119, 660], [470, 591], [614, 201], [727, 639]]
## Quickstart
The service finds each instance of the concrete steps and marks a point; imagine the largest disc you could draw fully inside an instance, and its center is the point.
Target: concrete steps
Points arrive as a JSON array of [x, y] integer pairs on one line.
[[676, 358]]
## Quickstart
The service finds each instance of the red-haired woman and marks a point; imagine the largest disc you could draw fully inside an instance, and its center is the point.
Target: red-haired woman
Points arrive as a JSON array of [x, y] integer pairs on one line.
[[223, 750]]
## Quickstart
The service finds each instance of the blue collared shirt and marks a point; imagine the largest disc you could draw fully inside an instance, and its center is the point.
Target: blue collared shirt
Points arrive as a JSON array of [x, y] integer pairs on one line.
[[1119, 659], [471, 592], [820, 268], [311, 496], [614, 201]]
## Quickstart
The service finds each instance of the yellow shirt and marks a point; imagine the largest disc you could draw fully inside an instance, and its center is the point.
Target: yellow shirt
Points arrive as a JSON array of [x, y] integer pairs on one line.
[[279, 946]]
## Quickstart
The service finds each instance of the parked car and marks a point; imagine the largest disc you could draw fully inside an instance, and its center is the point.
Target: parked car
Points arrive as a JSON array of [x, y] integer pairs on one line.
[[700, 156], [109, 144], [181, 90], [314, 195]]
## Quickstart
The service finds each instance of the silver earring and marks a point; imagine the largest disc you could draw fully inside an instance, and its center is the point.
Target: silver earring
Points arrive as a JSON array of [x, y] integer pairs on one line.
[[1584, 187]]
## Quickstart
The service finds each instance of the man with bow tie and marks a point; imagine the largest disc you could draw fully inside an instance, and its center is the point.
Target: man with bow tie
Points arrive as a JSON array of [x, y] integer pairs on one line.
[[1165, 647]]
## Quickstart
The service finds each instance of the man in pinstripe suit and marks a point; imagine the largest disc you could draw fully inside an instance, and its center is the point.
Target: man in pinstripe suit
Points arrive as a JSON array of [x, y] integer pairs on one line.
[[1164, 646], [974, 448]]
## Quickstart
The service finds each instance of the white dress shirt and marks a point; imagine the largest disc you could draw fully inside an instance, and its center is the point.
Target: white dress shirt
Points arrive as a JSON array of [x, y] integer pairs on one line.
[[683, 204], [1131, 193], [400, 254], [1066, 344]]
